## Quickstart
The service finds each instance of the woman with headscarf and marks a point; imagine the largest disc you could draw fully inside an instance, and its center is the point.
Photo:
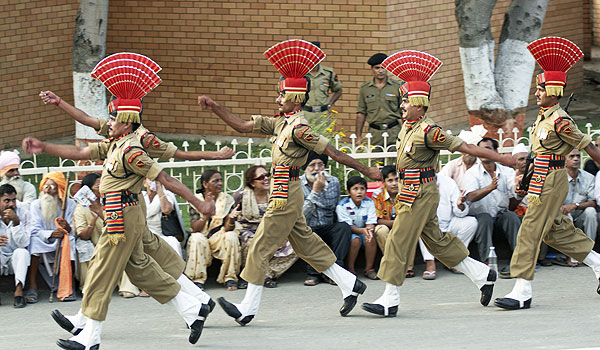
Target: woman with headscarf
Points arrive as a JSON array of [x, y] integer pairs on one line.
[[253, 201], [210, 238]]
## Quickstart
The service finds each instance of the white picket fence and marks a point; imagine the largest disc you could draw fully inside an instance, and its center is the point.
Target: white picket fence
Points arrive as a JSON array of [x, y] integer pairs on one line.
[[233, 169]]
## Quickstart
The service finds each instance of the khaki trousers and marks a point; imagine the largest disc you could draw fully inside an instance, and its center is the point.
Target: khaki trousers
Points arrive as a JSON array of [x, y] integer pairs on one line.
[[545, 222], [422, 222], [381, 234], [108, 263], [279, 225], [161, 251]]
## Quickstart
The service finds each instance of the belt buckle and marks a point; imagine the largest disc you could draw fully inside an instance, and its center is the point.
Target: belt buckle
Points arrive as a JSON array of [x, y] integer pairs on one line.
[[411, 187], [538, 178], [383, 126], [319, 108]]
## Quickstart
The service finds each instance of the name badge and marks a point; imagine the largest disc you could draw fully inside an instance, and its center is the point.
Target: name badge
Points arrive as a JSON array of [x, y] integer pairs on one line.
[[408, 147], [280, 142]]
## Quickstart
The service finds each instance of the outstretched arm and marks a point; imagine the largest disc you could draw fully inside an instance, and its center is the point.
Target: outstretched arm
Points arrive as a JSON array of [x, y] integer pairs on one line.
[[593, 152], [206, 207], [237, 123], [345, 159], [223, 153], [75, 113], [504, 159], [33, 145]]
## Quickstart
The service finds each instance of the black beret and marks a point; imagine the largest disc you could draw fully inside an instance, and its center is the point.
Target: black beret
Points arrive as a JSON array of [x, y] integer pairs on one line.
[[312, 155], [376, 59]]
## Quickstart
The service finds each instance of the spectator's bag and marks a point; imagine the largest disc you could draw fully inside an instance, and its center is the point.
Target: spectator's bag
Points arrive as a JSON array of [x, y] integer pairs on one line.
[[169, 223]]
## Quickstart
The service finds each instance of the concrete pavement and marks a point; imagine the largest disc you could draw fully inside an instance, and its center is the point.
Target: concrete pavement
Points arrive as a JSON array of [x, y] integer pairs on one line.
[[440, 314]]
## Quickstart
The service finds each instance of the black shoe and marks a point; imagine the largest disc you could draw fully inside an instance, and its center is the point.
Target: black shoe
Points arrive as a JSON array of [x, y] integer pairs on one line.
[[233, 311], [380, 309], [198, 325], [211, 305], [350, 300], [19, 302], [64, 323], [505, 272], [545, 262], [488, 289], [512, 304], [73, 345]]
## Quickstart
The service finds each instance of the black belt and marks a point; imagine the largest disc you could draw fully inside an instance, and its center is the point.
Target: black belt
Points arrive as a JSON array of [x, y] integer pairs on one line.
[[294, 173], [425, 174], [316, 109], [556, 163], [126, 197], [384, 126]]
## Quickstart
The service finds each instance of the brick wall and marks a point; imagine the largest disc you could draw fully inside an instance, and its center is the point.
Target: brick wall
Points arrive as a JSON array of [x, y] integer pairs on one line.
[[215, 48], [35, 46], [596, 21]]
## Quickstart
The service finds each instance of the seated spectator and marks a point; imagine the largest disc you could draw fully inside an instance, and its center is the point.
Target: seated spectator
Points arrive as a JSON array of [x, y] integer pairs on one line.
[[161, 206], [14, 240], [9, 174], [580, 204], [210, 239], [591, 166], [46, 235], [456, 168], [490, 187], [520, 153], [321, 196], [88, 223], [358, 211], [253, 201], [384, 199]]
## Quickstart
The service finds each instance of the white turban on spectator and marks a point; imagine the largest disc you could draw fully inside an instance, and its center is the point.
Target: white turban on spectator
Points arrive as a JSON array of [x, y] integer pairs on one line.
[[520, 148], [8, 160]]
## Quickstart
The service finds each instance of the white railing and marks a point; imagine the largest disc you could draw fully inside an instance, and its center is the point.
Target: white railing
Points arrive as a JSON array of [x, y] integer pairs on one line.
[[233, 169]]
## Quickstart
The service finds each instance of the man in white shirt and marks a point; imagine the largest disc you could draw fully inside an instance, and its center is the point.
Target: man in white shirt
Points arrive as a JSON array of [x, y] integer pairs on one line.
[[580, 203], [14, 240], [9, 174], [456, 168], [490, 189]]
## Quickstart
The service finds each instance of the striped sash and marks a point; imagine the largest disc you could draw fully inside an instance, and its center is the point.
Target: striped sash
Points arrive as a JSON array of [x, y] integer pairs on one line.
[[410, 187], [113, 208], [541, 167], [279, 189]]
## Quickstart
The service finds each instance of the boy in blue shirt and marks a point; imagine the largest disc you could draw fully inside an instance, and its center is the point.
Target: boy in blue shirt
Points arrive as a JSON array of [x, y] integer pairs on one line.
[[358, 211]]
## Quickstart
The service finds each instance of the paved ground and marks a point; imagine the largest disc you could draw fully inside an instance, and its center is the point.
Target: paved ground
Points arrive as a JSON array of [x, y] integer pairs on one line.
[[440, 314]]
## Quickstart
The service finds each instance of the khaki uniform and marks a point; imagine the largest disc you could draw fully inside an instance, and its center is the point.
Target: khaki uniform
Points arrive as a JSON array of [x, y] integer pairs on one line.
[[158, 249], [126, 165], [292, 139], [421, 219], [380, 108], [545, 221], [321, 82]]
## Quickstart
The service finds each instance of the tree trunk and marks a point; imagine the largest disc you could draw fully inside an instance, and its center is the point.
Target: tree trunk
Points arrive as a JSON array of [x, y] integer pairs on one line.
[[497, 93], [89, 47]]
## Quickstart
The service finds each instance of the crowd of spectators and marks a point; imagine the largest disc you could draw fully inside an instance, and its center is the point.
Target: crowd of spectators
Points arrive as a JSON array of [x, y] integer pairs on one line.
[[480, 202]]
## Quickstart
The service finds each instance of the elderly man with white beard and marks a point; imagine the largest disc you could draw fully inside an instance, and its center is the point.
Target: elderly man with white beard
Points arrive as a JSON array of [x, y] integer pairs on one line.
[[45, 235], [9, 174]]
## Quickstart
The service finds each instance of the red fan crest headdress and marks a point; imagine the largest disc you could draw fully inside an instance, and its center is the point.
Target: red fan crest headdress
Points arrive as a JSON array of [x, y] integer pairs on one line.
[[294, 59], [129, 77], [415, 68], [555, 56]]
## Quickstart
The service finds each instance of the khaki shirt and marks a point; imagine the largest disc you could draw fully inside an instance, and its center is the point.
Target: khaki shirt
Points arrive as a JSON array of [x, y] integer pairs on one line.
[[292, 138], [545, 140], [126, 164], [155, 147], [323, 80], [412, 152], [380, 106]]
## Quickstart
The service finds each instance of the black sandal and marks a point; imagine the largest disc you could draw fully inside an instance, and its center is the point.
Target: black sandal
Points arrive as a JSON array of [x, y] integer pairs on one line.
[[231, 285], [312, 280], [269, 283], [242, 284]]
